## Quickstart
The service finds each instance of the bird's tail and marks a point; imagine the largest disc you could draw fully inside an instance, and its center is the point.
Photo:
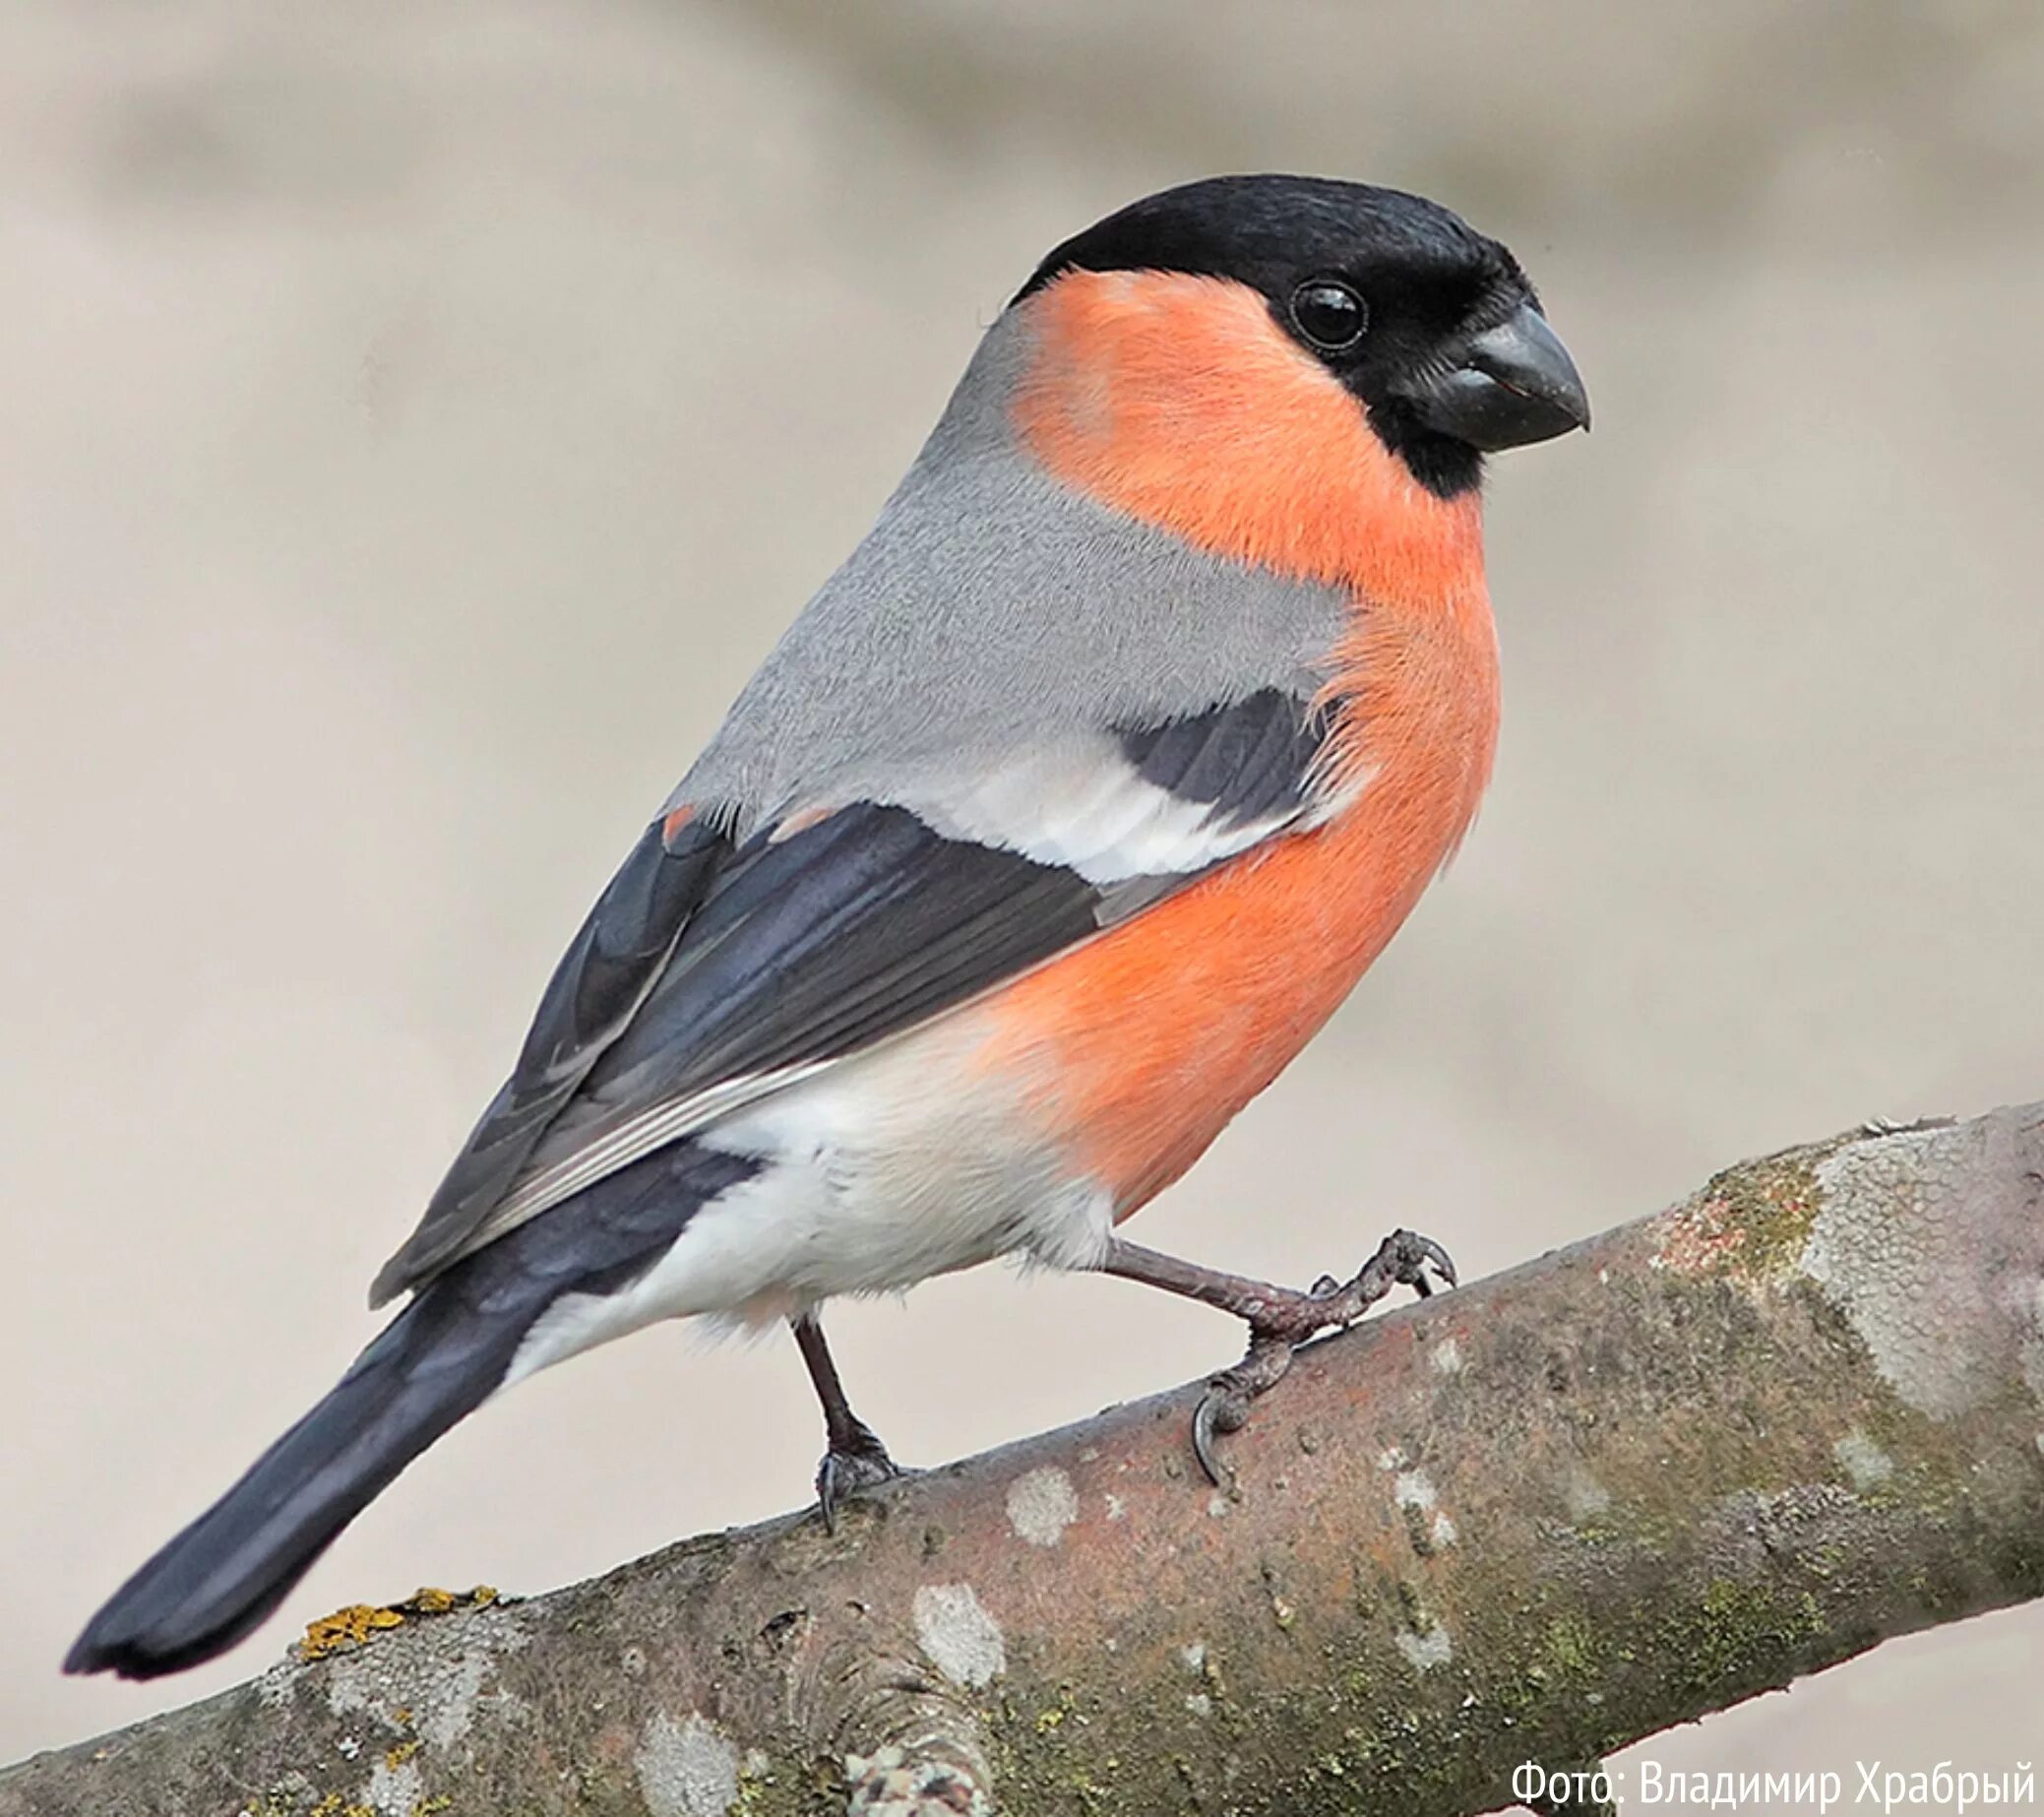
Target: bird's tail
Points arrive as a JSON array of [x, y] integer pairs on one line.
[[226, 1571], [436, 1361]]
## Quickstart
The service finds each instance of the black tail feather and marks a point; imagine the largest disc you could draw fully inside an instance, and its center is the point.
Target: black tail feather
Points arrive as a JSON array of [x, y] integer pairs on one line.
[[229, 1569], [436, 1361]]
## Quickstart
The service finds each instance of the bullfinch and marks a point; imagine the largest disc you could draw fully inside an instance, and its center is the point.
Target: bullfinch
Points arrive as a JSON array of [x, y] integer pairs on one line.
[[1057, 823]]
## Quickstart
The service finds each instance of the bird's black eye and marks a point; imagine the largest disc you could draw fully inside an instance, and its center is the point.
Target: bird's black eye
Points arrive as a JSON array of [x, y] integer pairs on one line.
[[1330, 314]]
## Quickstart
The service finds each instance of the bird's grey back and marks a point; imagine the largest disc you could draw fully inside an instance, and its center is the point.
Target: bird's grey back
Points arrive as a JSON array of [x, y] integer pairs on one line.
[[993, 610]]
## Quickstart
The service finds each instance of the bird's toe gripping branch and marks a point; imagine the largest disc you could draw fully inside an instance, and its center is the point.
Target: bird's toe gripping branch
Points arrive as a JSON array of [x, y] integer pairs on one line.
[[1279, 1318], [856, 1460]]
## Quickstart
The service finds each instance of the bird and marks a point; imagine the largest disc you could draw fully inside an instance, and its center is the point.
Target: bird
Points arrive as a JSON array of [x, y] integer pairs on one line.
[[1056, 824]]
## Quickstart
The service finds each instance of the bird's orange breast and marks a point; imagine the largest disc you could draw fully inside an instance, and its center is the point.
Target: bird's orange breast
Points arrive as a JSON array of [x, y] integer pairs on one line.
[[1178, 401]]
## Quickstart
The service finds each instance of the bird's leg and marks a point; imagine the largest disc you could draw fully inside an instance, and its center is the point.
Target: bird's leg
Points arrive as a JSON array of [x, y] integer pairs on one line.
[[853, 1457], [1279, 1318]]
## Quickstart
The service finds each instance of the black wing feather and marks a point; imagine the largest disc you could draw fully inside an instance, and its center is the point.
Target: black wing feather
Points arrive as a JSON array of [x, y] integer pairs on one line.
[[1246, 761], [820, 944]]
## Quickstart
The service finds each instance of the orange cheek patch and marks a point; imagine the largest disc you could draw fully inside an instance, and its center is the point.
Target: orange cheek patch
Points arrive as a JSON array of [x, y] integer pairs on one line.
[[1179, 400]]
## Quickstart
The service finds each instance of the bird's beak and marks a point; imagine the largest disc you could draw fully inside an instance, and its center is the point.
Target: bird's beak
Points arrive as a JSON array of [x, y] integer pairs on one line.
[[1510, 385]]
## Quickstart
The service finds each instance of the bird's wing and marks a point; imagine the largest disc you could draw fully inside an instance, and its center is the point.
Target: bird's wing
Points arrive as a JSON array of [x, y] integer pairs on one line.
[[713, 970]]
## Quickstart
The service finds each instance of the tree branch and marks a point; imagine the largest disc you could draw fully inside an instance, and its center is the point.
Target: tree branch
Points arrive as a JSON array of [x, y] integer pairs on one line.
[[1540, 1518]]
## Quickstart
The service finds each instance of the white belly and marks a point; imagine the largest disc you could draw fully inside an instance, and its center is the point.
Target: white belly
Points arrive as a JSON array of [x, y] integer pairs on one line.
[[877, 1173]]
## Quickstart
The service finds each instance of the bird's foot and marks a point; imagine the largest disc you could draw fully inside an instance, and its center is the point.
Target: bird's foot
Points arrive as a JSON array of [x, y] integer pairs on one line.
[[856, 1461], [1279, 1321]]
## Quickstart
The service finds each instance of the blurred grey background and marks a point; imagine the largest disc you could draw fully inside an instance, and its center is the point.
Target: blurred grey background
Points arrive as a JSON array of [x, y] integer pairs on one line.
[[419, 421]]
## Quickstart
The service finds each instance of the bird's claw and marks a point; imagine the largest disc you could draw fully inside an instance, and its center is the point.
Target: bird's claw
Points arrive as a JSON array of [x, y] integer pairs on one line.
[[1222, 1410], [1404, 1259], [1225, 1407], [1410, 1255], [856, 1461]]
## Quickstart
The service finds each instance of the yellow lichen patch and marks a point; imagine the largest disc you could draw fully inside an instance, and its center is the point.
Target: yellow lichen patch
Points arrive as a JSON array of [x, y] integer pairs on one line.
[[354, 1624], [426, 1601], [399, 1754], [346, 1627]]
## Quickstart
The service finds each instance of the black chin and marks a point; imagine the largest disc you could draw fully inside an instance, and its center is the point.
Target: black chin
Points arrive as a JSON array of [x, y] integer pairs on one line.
[[1443, 464]]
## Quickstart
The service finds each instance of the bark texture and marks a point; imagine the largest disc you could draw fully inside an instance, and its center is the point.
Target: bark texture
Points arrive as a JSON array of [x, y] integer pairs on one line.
[[1632, 1481]]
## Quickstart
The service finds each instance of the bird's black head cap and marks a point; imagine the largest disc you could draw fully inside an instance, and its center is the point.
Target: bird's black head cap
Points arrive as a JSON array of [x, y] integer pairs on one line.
[[1388, 289]]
